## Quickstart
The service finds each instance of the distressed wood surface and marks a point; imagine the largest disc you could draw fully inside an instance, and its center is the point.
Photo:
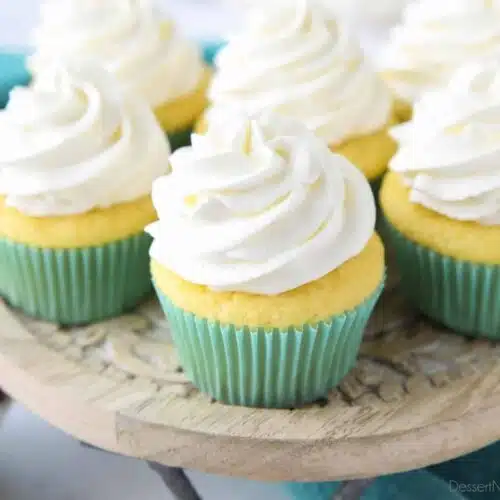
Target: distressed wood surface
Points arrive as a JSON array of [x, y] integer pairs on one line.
[[418, 395]]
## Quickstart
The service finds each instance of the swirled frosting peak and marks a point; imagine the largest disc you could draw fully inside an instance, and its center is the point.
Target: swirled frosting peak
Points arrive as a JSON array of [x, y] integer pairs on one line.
[[72, 142], [450, 152], [367, 11], [259, 206], [128, 37], [435, 38], [295, 59]]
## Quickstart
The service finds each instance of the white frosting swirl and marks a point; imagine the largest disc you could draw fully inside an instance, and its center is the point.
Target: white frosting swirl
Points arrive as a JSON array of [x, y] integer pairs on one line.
[[436, 38], [259, 206], [72, 142], [293, 58], [450, 152], [128, 37], [367, 11]]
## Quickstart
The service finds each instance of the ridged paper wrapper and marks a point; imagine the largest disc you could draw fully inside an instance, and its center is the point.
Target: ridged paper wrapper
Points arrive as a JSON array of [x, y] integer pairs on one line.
[[77, 285], [462, 295], [267, 367]]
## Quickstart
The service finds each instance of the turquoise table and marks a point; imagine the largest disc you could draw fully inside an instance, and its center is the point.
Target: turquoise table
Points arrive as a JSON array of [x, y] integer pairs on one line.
[[472, 477], [12, 72]]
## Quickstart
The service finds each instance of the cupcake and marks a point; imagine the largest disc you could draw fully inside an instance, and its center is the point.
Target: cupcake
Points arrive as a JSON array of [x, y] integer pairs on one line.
[[77, 164], [140, 48], [434, 40], [441, 201], [300, 62], [265, 261]]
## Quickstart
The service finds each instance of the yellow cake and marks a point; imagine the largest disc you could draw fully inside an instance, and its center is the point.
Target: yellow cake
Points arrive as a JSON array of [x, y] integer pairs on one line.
[[370, 153], [92, 228], [339, 291], [403, 110], [464, 240], [183, 112]]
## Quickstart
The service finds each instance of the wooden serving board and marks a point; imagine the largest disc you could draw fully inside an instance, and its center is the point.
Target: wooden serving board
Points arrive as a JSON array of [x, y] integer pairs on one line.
[[418, 395]]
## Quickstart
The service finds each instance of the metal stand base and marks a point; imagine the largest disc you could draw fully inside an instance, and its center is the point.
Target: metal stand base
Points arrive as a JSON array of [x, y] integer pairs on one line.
[[176, 481], [173, 478], [3, 396], [4, 405], [352, 490], [180, 486]]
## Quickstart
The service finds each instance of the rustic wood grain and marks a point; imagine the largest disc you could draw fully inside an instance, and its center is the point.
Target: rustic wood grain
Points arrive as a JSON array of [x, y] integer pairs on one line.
[[418, 395]]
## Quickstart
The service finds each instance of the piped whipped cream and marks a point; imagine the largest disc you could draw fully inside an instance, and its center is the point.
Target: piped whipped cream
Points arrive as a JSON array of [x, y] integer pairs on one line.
[[434, 39], [294, 58], [450, 152], [128, 37], [259, 205], [72, 142]]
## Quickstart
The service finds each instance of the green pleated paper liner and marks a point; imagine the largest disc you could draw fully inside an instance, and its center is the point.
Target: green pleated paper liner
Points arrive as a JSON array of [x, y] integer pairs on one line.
[[375, 185], [263, 367], [462, 295], [75, 286], [179, 139]]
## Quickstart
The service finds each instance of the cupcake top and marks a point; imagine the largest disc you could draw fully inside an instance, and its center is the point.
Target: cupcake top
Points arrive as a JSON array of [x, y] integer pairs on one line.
[[450, 152], [128, 37], [367, 11], [260, 206], [73, 141], [435, 39], [294, 58]]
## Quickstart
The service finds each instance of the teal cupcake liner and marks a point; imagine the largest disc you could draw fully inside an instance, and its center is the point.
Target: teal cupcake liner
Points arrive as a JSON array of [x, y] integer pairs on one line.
[[462, 295], [267, 367], [180, 138], [375, 185], [75, 286]]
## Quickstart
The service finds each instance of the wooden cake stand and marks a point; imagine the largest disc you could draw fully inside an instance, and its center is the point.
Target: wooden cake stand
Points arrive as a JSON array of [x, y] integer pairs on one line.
[[419, 395]]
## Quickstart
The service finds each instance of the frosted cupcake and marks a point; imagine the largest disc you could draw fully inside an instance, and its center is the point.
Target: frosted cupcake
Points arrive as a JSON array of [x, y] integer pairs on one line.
[[142, 50], [442, 202], [77, 163], [293, 58], [265, 261], [435, 39]]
